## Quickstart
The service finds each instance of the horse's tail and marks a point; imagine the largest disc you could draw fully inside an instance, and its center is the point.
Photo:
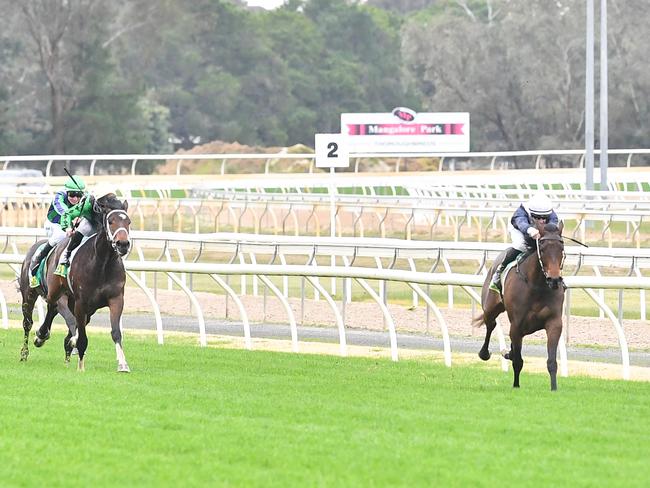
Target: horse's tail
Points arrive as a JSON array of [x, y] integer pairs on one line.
[[478, 321]]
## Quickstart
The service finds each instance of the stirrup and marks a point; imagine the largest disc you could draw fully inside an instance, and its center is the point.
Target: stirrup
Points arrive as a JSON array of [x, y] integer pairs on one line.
[[61, 270], [34, 282]]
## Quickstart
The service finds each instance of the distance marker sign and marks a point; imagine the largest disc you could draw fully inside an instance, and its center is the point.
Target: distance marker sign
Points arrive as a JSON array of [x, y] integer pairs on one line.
[[331, 151]]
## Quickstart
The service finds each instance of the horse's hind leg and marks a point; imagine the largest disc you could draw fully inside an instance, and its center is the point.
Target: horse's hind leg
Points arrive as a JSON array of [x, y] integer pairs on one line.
[[492, 311], [43, 333], [29, 300], [484, 353], [70, 339]]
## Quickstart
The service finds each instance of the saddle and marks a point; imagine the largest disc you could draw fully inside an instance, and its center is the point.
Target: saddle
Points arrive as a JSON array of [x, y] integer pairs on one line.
[[519, 259]]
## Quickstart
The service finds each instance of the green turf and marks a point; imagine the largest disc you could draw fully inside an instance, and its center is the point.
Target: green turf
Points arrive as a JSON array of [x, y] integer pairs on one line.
[[188, 416]]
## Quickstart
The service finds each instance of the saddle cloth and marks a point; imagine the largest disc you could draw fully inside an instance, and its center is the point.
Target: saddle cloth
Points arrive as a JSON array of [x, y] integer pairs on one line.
[[512, 264], [41, 271]]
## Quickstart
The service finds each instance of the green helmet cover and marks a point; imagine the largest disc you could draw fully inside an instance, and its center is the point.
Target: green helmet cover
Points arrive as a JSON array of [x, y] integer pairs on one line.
[[71, 186]]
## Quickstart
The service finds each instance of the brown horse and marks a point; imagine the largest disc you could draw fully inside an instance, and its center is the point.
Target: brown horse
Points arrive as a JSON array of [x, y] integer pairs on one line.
[[533, 295], [96, 279]]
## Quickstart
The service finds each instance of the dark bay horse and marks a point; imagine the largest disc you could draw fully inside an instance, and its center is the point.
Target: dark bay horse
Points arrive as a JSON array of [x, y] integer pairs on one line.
[[95, 279], [533, 295]]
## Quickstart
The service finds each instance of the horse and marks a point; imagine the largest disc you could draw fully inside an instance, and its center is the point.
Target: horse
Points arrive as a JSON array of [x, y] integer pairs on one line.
[[96, 279], [533, 295]]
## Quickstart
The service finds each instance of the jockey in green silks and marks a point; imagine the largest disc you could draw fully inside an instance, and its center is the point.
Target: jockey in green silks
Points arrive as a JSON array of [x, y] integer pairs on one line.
[[65, 199], [77, 223]]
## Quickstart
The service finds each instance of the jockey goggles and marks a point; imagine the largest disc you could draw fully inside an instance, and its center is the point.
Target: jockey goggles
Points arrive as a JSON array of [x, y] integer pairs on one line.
[[77, 194]]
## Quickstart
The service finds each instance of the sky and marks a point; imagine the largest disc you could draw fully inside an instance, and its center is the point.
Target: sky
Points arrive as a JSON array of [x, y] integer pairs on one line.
[[267, 4]]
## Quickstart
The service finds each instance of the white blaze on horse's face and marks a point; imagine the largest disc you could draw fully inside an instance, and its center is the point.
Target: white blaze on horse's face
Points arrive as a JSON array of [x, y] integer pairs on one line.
[[117, 230]]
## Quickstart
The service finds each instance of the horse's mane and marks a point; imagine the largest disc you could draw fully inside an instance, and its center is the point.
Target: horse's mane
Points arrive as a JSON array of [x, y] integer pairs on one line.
[[103, 205], [110, 202]]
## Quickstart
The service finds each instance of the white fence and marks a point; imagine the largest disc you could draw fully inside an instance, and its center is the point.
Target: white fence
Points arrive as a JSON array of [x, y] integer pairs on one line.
[[447, 161], [309, 213], [414, 279]]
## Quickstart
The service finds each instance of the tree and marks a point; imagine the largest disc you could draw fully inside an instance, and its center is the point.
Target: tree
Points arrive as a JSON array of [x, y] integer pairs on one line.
[[518, 76]]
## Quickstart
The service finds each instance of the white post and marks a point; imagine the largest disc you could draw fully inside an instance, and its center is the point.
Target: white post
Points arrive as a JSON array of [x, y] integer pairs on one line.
[[332, 222]]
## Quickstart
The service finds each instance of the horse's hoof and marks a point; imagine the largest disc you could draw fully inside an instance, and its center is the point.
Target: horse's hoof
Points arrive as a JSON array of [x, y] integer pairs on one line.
[[505, 354], [484, 355], [23, 354], [123, 368], [39, 341]]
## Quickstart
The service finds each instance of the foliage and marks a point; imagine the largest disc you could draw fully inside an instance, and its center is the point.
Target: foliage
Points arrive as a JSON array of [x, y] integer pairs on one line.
[[85, 76]]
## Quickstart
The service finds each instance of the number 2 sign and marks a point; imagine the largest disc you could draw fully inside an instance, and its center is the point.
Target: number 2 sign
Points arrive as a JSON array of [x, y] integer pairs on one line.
[[331, 151]]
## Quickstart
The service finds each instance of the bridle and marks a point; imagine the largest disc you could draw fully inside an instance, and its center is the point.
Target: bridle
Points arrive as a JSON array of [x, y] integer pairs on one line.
[[539, 254], [111, 235]]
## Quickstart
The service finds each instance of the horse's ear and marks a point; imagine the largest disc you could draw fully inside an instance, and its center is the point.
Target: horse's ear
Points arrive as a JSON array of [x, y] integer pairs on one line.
[[125, 205], [561, 226]]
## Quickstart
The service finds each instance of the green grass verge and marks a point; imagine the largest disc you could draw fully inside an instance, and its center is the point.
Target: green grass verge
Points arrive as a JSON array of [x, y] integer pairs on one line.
[[188, 416]]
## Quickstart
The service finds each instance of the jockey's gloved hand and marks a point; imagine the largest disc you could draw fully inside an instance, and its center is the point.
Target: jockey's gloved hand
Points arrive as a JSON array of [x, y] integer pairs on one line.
[[532, 232]]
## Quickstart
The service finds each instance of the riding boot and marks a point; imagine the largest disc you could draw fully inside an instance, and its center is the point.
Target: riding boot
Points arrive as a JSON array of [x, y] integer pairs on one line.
[[75, 240], [511, 255], [38, 257], [64, 262]]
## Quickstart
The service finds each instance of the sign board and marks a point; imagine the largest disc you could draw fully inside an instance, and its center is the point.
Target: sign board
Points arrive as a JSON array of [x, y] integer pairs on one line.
[[404, 131], [331, 151]]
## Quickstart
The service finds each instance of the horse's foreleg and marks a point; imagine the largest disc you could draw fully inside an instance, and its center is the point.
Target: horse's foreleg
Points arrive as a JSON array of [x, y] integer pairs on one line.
[[115, 306], [516, 358], [82, 338], [552, 339], [43, 333], [28, 308]]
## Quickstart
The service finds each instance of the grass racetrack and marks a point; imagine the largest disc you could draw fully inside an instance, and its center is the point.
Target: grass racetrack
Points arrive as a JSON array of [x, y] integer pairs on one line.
[[188, 416]]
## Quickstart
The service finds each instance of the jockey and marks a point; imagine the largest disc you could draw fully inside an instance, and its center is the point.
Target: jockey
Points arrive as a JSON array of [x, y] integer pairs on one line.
[[65, 199], [523, 231], [82, 215]]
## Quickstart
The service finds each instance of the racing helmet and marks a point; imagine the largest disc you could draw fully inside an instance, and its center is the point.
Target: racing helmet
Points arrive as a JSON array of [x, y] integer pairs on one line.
[[76, 185], [539, 206]]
